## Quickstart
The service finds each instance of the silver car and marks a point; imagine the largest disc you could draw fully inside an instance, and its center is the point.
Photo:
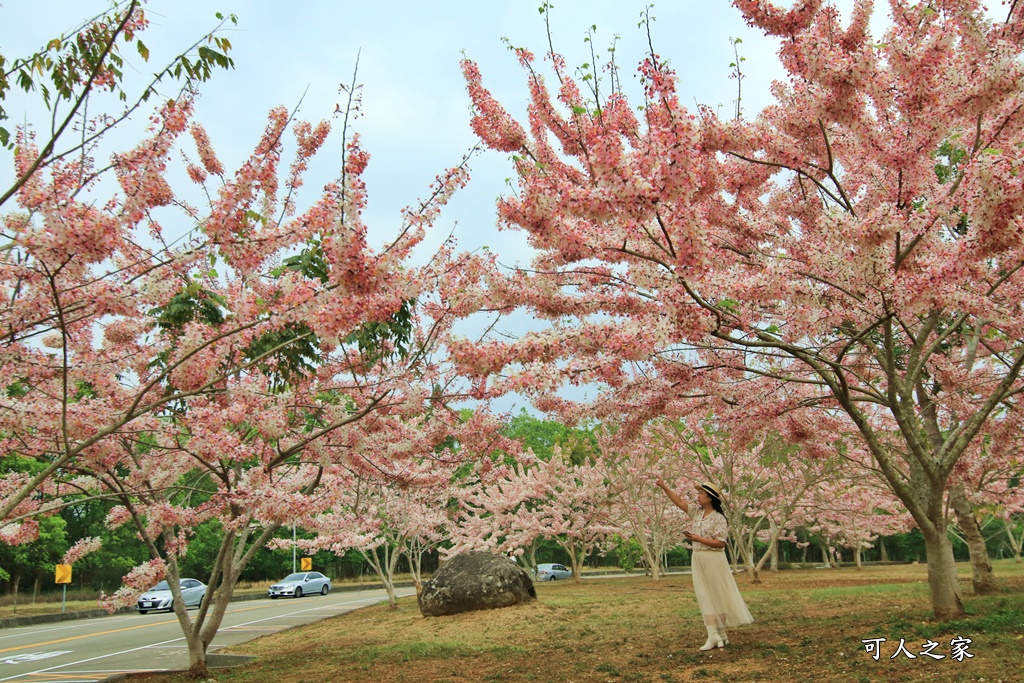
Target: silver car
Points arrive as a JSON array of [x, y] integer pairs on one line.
[[159, 596], [552, 572], [299, 584]]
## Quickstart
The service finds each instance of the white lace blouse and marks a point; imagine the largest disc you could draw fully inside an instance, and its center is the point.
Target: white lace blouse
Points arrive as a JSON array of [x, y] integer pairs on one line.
[[712, 526]]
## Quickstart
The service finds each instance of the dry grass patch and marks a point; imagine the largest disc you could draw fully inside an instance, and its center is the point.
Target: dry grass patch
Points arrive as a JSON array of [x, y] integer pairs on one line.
[[809, 624]]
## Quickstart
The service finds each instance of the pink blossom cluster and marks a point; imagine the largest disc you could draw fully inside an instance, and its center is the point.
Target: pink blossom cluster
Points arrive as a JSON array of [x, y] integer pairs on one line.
[[82, 548], [136, 582]]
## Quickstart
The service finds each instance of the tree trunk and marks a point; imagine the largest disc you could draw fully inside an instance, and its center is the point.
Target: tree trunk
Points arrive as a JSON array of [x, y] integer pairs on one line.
[[652, 558], [575, 558], [942, 581], [233, 556], [743, 550], [1015, 543], [385, 569], [856, 557], [732, 550], [882, 550], [208, 621], [772, 551], [197, 670], [774, 566], [414, 555], [389, 586], [981, 566], [654, 563], [532, 552]]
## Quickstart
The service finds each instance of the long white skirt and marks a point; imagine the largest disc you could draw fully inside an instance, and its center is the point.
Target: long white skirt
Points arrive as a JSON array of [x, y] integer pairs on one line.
[[717, 595]]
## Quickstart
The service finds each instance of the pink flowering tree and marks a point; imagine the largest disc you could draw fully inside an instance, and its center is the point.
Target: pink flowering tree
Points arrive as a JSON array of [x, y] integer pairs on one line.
[[384, 522], [223, 374], [394, 499], [639, 508], [494, 511], [845, 514], [67, 263], [856, 242], [568, 503]]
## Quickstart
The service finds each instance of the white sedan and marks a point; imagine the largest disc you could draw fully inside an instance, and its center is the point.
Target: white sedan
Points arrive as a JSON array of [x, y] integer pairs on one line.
[[299, 584], [159, 596], [552, 572]]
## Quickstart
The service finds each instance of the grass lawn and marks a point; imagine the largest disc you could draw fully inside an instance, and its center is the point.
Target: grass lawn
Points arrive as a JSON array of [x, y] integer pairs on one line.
[[809, 626]]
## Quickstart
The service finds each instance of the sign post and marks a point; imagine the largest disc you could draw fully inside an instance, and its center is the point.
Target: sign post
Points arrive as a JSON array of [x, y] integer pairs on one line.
[[62, 575]]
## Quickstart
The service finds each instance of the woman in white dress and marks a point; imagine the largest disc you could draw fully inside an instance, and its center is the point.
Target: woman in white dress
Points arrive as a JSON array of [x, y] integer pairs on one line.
[[717, 595]]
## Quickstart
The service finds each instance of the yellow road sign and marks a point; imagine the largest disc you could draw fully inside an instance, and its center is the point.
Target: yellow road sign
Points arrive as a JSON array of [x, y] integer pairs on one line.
[[63, 573], [307, 564]]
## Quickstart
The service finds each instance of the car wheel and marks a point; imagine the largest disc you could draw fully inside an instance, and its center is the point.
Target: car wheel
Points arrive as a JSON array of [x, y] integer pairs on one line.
[[298, 592], [553, 578], [323, 591], [143, 611], [273, 597]]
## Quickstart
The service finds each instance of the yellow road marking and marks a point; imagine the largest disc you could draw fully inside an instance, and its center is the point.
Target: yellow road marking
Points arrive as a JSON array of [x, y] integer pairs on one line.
[[88, 635]]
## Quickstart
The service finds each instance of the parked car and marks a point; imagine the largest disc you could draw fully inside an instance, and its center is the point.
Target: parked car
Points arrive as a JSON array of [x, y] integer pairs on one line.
[[302, 583], [552, 572], [159, 596]]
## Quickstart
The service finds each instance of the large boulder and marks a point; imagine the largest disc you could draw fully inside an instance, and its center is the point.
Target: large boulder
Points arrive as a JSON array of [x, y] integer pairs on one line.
[[475, 580]]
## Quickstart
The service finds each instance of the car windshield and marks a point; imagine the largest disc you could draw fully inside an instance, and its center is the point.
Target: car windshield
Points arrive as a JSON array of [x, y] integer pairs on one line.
[[162, 586], [294, 577]]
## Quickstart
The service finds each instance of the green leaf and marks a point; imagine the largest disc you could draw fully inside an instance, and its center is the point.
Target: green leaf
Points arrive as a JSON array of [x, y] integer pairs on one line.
[[254, 216], [143, 50], [579, 110]]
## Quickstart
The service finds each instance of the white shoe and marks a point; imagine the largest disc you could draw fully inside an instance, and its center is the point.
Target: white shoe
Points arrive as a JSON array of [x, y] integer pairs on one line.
[[723, 636], [712, 643]]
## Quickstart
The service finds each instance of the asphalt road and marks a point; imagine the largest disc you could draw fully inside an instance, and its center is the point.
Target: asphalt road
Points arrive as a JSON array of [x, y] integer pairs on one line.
[[95, 649]]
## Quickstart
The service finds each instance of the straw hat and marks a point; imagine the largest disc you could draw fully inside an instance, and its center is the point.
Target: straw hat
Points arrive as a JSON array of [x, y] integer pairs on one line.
[[710, 489]]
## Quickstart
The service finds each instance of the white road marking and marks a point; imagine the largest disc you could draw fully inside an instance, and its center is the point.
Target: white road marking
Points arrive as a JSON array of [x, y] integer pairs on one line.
[[35, 656]]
